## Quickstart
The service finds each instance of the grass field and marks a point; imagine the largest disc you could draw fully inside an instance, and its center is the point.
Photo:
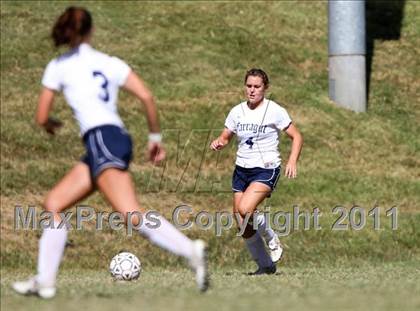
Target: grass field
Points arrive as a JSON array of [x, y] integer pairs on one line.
[[193, 55], [378, 287]]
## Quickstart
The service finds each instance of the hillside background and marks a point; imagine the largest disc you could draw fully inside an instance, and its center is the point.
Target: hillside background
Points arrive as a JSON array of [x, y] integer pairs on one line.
[[194, 57]]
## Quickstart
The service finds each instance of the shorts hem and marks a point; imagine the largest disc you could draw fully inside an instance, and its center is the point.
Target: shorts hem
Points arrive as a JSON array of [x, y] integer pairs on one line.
[[258, 181], [102, 168]]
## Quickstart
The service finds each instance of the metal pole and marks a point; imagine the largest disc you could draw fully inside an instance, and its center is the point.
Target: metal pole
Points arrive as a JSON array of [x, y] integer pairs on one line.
[[347, 53]]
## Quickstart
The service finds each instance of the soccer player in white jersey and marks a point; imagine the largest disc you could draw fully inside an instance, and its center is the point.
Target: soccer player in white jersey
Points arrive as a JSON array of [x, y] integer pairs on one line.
[[256, 123], [90, 81]]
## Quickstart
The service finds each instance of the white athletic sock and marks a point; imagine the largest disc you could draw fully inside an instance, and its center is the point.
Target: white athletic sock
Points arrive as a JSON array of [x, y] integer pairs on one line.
[[264, 228], [169, 238], [257, 249], [51, 249]]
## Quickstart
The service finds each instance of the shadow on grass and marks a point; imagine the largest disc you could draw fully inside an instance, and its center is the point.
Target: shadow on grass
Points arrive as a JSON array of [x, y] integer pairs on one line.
[[383, 22]]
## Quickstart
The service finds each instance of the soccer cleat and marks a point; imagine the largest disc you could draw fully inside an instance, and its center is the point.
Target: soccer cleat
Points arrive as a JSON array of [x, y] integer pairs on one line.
[[275, 249], [198, 262], [32, 287], [264, 270]]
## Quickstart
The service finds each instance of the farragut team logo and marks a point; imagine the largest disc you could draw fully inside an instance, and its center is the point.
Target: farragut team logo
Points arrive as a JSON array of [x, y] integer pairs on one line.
[[251, 127]]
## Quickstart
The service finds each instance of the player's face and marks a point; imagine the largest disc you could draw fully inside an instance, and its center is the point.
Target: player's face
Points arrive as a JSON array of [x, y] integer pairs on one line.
[[255, 89]]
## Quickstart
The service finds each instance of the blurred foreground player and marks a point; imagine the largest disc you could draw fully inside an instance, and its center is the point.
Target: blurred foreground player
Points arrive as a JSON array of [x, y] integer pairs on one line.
[[90, 81]]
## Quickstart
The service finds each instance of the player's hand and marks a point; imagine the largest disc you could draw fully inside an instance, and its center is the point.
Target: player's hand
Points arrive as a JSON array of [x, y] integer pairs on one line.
[[52, 125], [217, 144], [156, 152], [291, 170]]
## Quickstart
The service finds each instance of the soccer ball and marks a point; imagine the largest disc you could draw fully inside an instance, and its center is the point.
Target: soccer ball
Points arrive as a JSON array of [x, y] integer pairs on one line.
[[125, 266]]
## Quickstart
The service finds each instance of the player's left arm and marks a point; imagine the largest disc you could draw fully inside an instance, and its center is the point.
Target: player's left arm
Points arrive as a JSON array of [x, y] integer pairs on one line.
[[297, 142], [45, 105]]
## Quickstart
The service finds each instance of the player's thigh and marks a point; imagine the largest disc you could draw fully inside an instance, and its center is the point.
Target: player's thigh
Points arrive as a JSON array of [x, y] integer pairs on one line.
[[118, 188], [237, 196], [252, 197], [73, 187]]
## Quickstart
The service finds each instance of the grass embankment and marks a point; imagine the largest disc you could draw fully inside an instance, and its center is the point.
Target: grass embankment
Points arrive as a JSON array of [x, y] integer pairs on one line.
[[194, 56]]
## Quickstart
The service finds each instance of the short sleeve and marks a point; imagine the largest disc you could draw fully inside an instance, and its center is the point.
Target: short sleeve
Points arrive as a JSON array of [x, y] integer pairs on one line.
[[230, 122], [51, 77], [121, 70], [283, 120]]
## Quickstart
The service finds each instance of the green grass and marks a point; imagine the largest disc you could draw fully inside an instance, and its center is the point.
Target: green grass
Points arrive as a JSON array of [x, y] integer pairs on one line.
[[194, 56], [324, 247], [194, 64], [381, 287]]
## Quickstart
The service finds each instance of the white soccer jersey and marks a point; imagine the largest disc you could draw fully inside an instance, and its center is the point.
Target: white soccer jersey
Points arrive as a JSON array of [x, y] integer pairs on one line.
[[257, 131], [90, 81]]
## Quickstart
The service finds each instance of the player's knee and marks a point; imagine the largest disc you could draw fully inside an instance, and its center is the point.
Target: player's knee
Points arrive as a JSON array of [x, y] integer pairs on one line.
[[52, 204], [244, 210]]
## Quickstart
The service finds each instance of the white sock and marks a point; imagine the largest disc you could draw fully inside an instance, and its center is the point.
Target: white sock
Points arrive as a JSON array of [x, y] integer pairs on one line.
[[257, 249], [264, 228], [169, 238], [51, 249]]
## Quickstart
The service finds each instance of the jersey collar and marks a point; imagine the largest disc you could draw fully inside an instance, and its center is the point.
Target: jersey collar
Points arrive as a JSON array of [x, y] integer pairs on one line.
[[260, 106]]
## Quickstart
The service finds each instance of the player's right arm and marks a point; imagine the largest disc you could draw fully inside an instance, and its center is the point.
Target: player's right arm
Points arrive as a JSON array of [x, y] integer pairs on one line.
[[135, 85], [45, 104], [224, 139]]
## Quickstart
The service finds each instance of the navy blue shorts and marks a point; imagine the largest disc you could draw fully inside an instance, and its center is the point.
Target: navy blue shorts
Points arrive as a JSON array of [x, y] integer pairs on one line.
[[107, 146], [243, 177]]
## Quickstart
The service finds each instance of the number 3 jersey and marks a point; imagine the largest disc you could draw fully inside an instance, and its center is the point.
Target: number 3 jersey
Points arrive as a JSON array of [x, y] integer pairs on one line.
[[257, 131], [90, 81]]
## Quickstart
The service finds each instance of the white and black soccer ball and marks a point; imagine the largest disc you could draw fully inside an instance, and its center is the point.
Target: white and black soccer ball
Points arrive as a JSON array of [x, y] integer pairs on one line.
[[125, 266]]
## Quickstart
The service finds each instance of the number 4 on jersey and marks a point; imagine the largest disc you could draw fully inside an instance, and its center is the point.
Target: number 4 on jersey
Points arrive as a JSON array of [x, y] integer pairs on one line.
[[105, 94], [249, 142]]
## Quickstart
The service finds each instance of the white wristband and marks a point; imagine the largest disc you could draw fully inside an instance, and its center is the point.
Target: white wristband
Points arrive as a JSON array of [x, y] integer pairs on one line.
[[155, 137]]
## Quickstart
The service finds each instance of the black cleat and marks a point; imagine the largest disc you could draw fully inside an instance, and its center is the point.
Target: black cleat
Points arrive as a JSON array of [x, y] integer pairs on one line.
[[264, 270]]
